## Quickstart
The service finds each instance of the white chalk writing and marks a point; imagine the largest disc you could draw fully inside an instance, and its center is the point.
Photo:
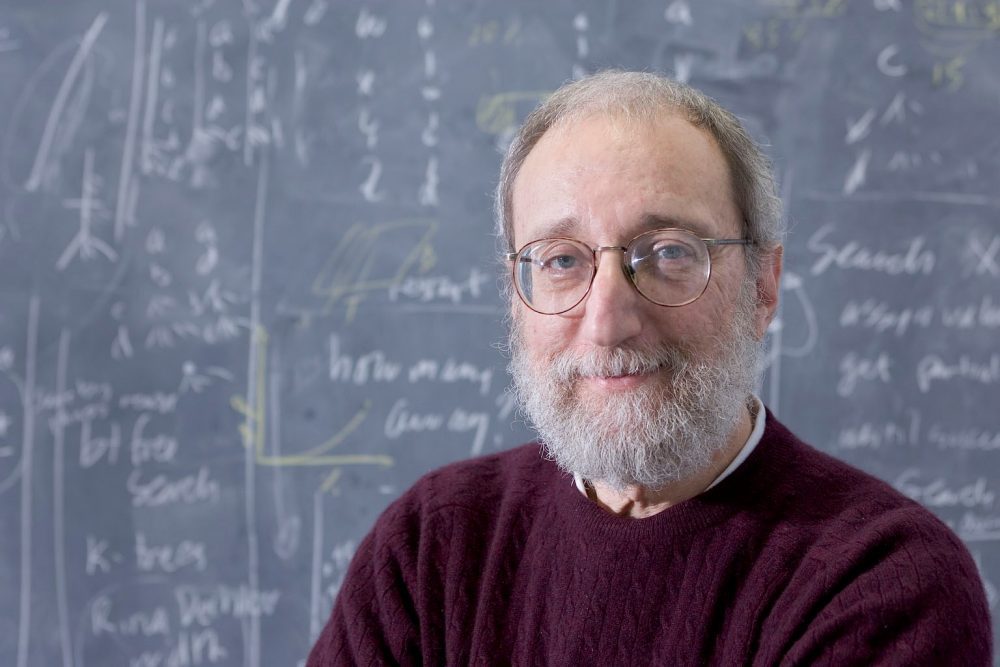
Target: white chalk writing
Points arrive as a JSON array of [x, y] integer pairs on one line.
[[932, 369], [939, 492], [161, 490], [914, 260]]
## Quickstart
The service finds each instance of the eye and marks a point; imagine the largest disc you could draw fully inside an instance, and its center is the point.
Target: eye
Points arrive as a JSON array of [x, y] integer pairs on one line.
[[666, 256], [671, 251], [561, 262], [560, 257]]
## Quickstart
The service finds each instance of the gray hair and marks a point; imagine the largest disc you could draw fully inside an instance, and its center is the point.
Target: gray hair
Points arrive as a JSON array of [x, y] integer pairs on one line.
[[644, 96]]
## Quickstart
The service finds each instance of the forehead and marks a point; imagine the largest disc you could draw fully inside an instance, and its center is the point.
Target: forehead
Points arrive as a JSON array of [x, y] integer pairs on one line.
[[604, 179]]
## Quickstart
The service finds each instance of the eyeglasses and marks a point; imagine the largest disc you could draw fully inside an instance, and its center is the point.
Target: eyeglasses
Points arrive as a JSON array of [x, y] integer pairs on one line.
[[670, 267]]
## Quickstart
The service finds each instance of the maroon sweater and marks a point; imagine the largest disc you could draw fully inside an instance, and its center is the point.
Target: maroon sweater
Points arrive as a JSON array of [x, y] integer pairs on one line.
[[795, 558]]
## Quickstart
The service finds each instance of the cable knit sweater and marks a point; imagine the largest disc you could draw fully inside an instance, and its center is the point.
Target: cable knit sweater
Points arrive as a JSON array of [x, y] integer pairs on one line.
[[795, 558]]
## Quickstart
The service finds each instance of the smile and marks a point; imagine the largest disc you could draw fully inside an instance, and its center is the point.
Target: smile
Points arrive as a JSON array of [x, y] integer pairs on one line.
[[618, 382]]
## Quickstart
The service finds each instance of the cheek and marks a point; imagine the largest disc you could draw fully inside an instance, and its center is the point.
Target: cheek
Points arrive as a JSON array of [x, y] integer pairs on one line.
[[541, 335], [698, 324], [719, 304], [724, 292]]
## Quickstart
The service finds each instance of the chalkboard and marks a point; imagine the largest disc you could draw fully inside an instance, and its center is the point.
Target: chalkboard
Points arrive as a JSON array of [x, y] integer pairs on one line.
[[248, 288]]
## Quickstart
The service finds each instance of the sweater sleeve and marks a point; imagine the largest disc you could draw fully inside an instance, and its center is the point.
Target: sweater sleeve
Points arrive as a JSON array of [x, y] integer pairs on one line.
[[902, 593], [374, 619]]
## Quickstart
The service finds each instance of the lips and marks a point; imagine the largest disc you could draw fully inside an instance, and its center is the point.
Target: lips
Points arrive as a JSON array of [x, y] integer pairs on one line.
[[617, 382], [615, 365], [613, 376]]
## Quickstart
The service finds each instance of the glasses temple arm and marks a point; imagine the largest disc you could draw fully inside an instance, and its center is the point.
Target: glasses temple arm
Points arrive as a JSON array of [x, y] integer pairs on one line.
[[712, 242]]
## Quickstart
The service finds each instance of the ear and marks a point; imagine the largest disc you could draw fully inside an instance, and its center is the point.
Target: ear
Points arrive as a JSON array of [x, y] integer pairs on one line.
[[768, 288]]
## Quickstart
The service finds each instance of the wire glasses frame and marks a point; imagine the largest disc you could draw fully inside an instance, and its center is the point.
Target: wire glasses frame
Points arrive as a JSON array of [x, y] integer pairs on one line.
[[669, 267]]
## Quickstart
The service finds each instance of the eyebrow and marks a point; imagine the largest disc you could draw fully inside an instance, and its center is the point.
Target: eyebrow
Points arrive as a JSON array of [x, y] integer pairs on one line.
[[567, 227], [655, 221], [564, 227]]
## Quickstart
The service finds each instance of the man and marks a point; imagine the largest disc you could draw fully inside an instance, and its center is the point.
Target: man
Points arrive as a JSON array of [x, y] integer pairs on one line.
[[667, 518]]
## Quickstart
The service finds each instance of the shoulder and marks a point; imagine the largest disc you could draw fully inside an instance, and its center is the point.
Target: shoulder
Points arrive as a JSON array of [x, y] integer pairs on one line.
[[808, 485], [841, 518], [852, 525], [867, 562]]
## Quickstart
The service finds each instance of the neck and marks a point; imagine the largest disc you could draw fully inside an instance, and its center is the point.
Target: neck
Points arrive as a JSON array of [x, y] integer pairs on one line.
[[640, 502]]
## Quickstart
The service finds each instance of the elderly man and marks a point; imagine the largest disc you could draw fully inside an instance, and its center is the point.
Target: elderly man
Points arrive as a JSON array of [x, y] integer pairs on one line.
[[666, 517]]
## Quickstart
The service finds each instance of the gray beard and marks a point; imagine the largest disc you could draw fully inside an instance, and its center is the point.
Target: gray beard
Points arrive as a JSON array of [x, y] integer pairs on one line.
[[653, 435]]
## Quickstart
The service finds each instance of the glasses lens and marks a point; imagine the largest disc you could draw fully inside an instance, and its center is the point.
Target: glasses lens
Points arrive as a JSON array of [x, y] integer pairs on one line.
[[553, 275], [671, 267]]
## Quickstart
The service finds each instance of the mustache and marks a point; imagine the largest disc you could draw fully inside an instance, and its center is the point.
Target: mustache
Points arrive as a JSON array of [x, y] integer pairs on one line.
[[571, 365]]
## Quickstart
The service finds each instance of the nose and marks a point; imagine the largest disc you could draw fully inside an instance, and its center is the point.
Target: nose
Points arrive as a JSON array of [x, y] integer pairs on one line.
[[612, 312]]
